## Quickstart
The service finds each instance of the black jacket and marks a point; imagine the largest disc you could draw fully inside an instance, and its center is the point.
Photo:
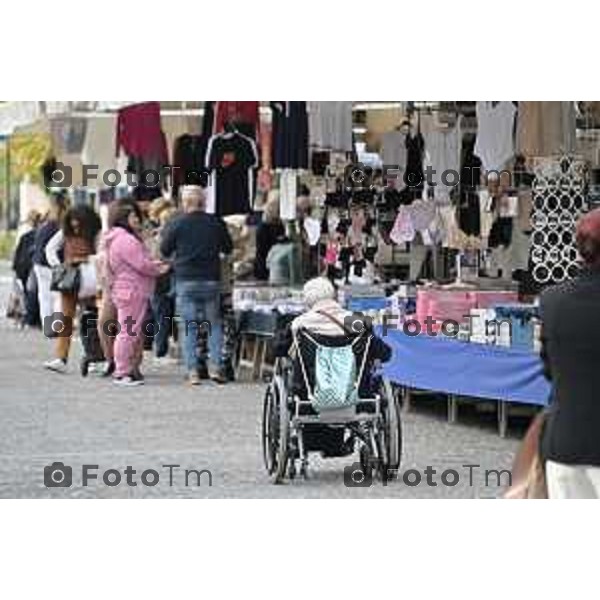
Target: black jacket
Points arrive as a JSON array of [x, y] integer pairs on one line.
[[267, 235], [571, 352], [23, 258], [42, 236], [195, 241]]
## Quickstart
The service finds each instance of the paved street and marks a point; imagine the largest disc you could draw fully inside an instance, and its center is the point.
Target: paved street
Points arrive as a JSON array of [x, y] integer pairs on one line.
[[46, 417]]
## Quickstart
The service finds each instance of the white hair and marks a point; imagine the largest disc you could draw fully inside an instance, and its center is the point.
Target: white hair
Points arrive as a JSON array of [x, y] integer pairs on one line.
[[317, 289], [193, 196]]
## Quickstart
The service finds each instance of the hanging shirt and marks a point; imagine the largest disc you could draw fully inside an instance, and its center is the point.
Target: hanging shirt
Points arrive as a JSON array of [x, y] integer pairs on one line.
[[393, 151], [288, 186], [231, 158], [422, 214], [495, 126], [139, 132], [546, 128], [330, 125], [312, 228], [189, 161], [289, 135], [443, 148], [99, 148], [403, 230], [244, 115], [413, 177], [486, 214]]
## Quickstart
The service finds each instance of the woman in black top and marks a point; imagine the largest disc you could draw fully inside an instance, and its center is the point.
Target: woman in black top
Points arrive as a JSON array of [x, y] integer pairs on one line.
[[571, 337], [268, 233]]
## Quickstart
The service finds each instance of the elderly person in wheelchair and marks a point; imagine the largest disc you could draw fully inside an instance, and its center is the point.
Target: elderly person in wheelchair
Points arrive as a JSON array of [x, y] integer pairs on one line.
[[327, 394]]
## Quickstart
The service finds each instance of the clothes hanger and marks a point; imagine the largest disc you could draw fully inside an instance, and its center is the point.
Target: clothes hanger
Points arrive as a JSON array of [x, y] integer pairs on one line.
[[230, 129]]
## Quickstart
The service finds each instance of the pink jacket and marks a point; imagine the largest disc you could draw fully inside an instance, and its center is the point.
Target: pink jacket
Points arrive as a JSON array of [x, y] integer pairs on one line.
[[131, 270]]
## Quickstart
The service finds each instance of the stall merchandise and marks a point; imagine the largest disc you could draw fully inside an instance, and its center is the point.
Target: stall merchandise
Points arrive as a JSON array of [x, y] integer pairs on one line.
[[289, 135], [443, 152], [189, 161], [99, 147], [330, 125], [140, 135], [545, 129], [495, 125], [559, 199], [243, 114], [479, 371], [232, 158], [524, 330]]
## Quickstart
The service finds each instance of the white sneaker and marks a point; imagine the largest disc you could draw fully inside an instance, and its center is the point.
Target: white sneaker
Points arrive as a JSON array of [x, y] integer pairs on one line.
[[164, 361], [127, 381], [58, 365]]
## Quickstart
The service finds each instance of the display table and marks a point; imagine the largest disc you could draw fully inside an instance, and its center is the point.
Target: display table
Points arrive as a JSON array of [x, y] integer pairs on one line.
[[260, 311], [441, 364]]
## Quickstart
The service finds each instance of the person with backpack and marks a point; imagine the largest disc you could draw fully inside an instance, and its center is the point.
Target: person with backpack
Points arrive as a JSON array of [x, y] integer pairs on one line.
[[326, 319]]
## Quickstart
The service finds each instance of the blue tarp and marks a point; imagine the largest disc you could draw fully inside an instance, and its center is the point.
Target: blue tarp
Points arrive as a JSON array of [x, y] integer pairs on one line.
[[443, 364]]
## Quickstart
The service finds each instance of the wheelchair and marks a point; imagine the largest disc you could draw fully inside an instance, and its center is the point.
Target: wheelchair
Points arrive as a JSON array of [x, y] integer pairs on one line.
[[293, 427]]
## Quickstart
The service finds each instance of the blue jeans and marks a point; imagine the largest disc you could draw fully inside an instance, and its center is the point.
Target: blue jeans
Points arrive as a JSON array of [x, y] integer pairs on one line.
[[162, 313], [199, 302]]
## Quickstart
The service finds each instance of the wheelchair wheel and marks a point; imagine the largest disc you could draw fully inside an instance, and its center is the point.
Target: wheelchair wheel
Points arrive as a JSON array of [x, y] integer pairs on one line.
[[392, 428], [275, 431]]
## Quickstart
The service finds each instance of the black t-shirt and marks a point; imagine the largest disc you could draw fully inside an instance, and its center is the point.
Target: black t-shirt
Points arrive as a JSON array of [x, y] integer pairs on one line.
[[231, 156]]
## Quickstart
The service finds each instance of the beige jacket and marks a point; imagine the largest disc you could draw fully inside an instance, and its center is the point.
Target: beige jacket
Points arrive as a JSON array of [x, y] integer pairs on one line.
[[318, 323]]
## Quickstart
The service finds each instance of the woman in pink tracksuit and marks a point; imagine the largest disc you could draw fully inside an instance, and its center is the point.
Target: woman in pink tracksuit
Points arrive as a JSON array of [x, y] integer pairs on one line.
[[131, 275]]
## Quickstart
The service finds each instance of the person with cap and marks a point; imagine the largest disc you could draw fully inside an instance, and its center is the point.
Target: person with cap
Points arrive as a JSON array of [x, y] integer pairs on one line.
[[570, 334], [196, 242]]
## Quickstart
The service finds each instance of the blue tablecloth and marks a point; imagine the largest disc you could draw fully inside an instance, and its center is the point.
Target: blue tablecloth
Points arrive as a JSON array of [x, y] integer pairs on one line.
[[445, 365]]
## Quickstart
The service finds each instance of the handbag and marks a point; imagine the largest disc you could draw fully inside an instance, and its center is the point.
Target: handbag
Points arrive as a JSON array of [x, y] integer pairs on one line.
[[88, 279], [65, 279], [15, 307], [529, 477]]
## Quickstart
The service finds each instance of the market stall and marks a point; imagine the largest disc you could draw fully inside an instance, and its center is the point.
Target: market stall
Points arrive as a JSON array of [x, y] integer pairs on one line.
[[452, 211]]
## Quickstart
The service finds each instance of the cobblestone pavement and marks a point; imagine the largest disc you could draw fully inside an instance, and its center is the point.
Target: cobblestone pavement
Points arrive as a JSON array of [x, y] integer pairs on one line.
[[47, 417]]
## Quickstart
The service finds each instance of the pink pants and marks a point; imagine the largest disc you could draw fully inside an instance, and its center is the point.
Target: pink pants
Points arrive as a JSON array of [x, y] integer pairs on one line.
[[129, 306]]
